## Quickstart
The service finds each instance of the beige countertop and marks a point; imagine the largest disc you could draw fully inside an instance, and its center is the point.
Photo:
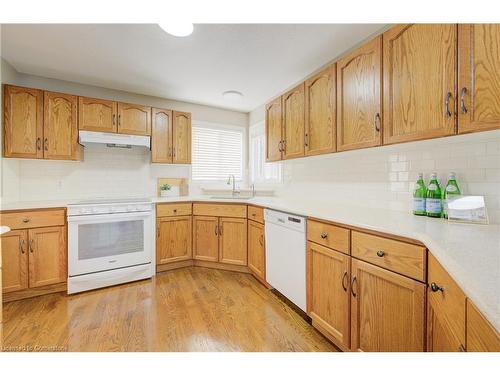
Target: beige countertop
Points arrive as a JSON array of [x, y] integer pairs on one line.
[[470, 253]]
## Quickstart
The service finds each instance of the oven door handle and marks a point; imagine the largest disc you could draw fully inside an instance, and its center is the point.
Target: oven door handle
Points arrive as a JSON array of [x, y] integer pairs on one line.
[[110, 217]]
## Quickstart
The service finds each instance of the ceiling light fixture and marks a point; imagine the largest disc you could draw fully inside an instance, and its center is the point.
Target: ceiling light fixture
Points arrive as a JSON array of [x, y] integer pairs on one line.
[[232, 95], [177, 28]]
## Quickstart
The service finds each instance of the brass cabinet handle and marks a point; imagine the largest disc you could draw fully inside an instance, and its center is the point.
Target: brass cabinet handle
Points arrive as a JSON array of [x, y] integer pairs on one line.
[[283, 145], [344, 279], [26, 220], [38, 143], [169, 152], [216, 229], [436, 288], [376, 121], [261, 240], [354, 281], [220, 229], [31, 246], [380, 253], [173, 152], [46, 144], [119, 120], [461, 348], [447, 98], [279, 146], [21, 246], [463, 92], [323, 235], [114, 119], [306, 140]]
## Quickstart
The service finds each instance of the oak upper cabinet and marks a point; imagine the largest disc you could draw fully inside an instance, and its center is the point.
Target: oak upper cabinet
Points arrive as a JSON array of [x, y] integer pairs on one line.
[[445, 311], [206, 238], [328, 292], [161, 136], [256, 250], [14, 261], [97, 115], [387, 310], [320, 113], [23, 122], [479, 77], [481, 335], [47, 256], [181, 138], [174, 236], [293, 106], [60, 127], [359, 97], [233, 241], [274, 138], [419, 82], [134, 119]]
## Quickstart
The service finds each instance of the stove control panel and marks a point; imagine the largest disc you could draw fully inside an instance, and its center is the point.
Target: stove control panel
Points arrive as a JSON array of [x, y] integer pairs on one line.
[[105, 209]]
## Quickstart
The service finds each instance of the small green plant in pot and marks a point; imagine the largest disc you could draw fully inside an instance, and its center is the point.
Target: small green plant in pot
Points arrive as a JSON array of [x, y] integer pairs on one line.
[[165, 190]]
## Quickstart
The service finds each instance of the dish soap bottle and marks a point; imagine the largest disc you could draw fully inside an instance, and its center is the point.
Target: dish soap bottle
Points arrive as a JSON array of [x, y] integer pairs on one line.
[[433, 203], [451, 189], [419, 196]]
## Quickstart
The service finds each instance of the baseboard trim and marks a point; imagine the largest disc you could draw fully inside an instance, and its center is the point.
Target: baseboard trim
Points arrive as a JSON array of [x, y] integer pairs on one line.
[[173, 265], [34, 292]]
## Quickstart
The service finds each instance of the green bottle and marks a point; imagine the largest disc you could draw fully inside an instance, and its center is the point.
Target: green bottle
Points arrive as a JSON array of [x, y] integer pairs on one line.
[[433, 201], [419, 196], [451, 189]]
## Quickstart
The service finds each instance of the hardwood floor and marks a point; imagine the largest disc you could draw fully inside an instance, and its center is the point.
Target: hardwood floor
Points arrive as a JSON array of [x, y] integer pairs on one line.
[[190, 309]]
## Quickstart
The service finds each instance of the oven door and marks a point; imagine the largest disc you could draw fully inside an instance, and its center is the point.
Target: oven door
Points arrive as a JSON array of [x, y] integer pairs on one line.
[[103, 242]]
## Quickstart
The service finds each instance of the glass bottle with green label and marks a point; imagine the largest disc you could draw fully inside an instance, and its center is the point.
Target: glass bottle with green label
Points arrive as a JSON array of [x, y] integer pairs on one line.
[[433, 199], [419, 196], [450, 190]]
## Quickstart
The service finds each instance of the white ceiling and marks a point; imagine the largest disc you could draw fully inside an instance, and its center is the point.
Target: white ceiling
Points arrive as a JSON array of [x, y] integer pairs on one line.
[[260, 60]]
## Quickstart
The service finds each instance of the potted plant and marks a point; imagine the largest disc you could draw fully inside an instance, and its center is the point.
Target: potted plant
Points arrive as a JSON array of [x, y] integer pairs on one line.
[[167, 190]]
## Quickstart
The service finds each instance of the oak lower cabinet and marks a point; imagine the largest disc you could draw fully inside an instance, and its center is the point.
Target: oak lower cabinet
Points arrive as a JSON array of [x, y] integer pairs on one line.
[[478, 77], [445, 311], [328, 293], [256, 250], [481, 335], [419, 81], [173, 239], [359, 97], [34, 258], [387, 310]]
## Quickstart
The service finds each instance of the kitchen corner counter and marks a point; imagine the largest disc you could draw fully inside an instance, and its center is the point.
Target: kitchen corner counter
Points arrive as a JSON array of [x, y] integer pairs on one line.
[[470, 253]]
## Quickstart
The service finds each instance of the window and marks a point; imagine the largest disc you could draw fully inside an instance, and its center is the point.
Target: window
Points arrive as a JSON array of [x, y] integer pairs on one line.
[[260, 171], [217, 152]]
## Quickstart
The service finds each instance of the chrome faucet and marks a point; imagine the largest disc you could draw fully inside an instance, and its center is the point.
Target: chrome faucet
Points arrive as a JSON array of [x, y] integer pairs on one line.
[[234, 191]]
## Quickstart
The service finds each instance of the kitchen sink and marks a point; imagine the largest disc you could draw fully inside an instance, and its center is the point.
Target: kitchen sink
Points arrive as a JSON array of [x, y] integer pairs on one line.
[[230, 197]]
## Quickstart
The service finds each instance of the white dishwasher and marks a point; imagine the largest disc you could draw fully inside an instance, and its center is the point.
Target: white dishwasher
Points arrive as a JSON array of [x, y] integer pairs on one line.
[[286, 255]]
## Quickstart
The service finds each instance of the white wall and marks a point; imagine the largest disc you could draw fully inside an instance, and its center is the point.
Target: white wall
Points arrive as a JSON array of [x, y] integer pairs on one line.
[[104, 172], [383, 177]]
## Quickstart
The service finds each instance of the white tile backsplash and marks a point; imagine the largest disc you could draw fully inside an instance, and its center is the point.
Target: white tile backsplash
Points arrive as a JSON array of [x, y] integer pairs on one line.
[[384, 177]]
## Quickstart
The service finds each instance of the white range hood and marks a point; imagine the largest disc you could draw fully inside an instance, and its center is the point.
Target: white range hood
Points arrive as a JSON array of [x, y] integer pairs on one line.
[[114, 139]]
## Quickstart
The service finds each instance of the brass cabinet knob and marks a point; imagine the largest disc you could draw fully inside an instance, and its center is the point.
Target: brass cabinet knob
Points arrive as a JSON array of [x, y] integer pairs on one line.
[[380, 253], [26, 220], [324, 235], [436, 288]]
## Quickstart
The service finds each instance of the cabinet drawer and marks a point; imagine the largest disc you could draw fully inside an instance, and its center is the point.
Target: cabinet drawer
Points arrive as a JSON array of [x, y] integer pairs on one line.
[[226, 210], [447, 299], [328, 235], [173, 209], [33, 219], [397, 256], [256, 214]]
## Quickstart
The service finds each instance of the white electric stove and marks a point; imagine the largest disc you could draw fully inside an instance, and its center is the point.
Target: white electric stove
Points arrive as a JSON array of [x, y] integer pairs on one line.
[[110, 241]]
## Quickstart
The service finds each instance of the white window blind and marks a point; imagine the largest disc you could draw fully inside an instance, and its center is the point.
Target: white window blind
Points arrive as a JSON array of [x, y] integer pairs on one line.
[[217, 153], [260, 171]]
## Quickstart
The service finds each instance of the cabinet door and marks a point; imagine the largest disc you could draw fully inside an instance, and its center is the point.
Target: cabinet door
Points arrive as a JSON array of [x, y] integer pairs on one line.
[[419, 82], [481, 335], [233, 241], [328, 292], [206, 238], [182, 138], [161, 136], [359, 97], [274, 130], [174, 238], [293, 122], [14, 261], [97, 115], [23, 122], [321, 117], [256, 249], [134, 119], [47, 256], [60, 126], [387, 310], [440, 337], [479, 77]]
